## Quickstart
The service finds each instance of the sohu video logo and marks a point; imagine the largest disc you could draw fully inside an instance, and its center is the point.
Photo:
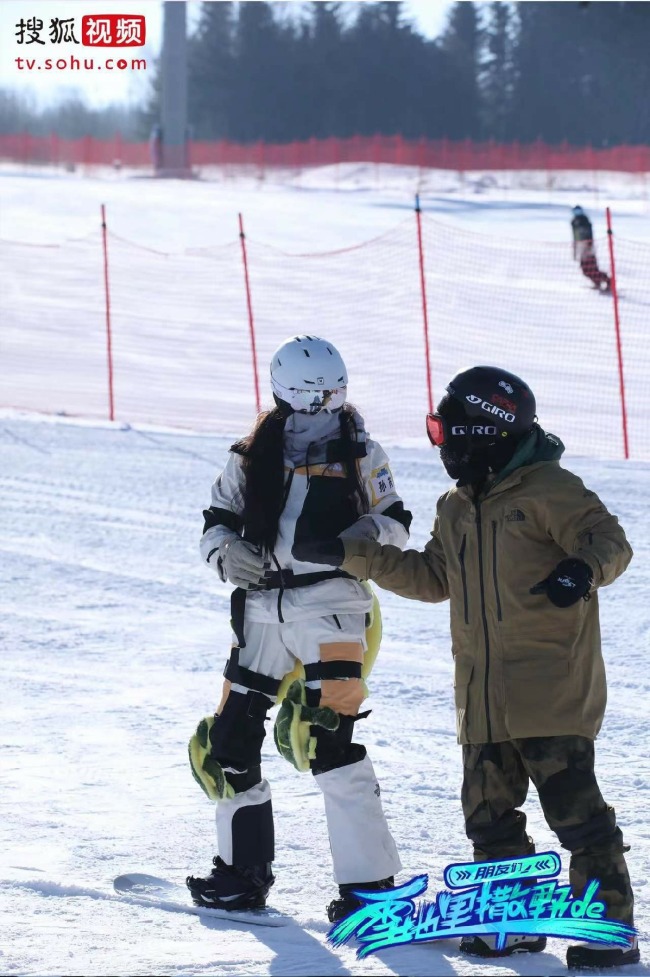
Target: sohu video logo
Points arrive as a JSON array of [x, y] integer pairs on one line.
[[97, 30]]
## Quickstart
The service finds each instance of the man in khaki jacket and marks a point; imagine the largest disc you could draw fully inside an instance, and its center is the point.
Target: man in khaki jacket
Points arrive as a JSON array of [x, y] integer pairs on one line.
[[520, 547]]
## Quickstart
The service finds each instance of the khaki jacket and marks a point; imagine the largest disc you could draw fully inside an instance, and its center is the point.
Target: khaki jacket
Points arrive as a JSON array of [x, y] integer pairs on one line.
[[523, 667]]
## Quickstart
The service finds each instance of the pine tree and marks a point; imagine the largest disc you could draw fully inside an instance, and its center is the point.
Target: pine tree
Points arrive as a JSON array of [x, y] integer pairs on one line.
[[210, 69], [461, 42], [326, 73], [497, 73]]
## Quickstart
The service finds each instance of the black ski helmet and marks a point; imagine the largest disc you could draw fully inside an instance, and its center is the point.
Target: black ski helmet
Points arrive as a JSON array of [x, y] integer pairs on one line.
[[496, 396]]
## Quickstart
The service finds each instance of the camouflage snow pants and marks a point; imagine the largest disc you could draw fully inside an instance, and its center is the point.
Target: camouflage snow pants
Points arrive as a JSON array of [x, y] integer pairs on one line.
[[495, 784], [589, 268]]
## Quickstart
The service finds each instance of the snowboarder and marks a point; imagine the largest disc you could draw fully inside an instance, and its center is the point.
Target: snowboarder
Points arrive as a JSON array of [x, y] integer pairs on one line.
[[307, 471], [520, 547], [584, 251]]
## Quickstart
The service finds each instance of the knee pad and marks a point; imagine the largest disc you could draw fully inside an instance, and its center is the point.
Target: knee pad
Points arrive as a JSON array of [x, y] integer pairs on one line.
[[207, 772], [225, 751], [297, 725], [335, 748], [237, 734]]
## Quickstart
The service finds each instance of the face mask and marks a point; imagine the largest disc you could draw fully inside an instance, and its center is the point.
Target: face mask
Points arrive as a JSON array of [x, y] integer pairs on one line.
[[464, 457], [466, 463], [471, 460]]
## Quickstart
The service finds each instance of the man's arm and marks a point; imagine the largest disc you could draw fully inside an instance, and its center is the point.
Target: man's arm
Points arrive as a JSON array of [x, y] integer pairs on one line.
[[579, 522], [409, 573]]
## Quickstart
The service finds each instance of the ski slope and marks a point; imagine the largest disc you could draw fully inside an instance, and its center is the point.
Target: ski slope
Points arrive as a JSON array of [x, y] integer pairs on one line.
[[501, 286], [115, 636]]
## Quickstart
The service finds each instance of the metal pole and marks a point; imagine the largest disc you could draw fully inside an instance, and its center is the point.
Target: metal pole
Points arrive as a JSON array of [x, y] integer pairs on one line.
[[423, 289], [617, 324], [109, 340], [173, 95], [251, 324]]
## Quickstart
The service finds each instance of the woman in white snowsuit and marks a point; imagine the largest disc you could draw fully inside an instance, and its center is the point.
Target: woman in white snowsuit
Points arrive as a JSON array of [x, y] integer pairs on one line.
[[307, 472]]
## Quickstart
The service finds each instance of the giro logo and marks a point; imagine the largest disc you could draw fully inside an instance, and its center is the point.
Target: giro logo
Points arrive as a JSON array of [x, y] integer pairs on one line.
[[475, 429], [491, 408], [506, 386]]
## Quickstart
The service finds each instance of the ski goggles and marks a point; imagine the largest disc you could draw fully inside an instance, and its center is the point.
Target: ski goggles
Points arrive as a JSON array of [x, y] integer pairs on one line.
[[439, 430], [436, 430], [310, 401]]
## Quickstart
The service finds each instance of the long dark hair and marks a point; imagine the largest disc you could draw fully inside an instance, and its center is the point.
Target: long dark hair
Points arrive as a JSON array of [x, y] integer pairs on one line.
[[263, 467]]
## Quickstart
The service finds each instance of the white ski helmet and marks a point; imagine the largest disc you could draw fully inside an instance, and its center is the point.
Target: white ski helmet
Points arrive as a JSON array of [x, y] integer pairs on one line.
[[309, 374]]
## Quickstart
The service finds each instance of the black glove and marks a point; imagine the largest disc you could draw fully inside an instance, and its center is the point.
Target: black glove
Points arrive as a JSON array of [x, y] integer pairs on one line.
[[567, 584], [328, 551]]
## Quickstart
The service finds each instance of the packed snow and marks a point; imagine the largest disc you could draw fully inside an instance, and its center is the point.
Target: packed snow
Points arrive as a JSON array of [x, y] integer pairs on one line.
[[115, 635]]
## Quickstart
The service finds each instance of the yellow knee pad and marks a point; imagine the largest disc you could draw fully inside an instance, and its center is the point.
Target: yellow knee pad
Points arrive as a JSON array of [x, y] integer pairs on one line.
[[292, 733], [205, 769]]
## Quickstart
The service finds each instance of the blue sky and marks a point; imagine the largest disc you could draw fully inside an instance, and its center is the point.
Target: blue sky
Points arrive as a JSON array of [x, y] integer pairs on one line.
[[115, 86]]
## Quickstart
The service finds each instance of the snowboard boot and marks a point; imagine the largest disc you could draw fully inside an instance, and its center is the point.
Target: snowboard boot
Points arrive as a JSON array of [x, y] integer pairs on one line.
[[232, 886], [597, 956], [347, 902], [485, 946]]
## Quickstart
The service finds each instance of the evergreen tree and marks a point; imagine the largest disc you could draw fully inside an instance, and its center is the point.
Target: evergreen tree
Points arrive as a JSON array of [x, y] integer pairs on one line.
[[461, 41], [556, 71], [70, 118], [261, 81], [617, 78], [326, 73], [550, 60], [497, 73], [401, 81], [211, 65]]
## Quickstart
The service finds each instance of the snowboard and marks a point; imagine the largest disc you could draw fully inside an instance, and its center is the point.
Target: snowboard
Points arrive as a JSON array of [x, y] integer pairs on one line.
[[175, 897]]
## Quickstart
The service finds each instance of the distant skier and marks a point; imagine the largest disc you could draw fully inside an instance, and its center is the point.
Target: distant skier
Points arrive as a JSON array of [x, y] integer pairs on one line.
[[584, 250], [520, 548], [307, 471]]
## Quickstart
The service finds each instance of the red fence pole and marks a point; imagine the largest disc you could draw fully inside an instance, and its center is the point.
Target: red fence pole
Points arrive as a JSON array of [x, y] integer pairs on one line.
[[251, 323], [109, 340], [423, 288], [617, 323]]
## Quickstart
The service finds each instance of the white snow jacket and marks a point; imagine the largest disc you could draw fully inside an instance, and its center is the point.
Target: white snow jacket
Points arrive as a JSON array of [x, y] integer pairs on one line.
[[318, 504]]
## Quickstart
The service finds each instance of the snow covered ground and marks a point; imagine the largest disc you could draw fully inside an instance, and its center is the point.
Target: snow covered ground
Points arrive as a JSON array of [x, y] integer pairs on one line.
[[114, 639], [329, 254]]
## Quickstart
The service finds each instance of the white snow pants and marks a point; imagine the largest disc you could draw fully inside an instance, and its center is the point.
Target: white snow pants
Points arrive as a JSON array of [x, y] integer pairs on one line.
[[363, 849]]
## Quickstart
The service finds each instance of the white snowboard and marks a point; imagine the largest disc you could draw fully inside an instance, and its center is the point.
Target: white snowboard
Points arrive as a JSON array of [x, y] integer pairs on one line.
[[175, 897]]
